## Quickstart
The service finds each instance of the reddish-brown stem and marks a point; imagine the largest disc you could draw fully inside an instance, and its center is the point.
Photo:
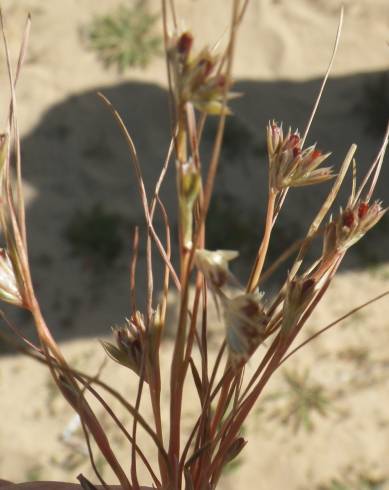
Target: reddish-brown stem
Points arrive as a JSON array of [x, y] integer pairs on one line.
[[332, 324], [221, 404], [176, 377], [252, 284], [76, 397]]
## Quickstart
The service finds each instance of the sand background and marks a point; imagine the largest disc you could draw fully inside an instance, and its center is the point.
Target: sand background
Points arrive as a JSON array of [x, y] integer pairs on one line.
[[75, 158]]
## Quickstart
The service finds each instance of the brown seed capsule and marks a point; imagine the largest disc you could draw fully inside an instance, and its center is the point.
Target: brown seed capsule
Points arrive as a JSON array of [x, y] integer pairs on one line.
[[184, 44], [129, 344], [236, 447], [299, 292], [363, 208], [214, 266], [348, 218], [293, 141]]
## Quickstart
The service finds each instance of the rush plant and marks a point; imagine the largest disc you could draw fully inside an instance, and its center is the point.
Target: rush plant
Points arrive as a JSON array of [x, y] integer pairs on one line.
[[200, 81]]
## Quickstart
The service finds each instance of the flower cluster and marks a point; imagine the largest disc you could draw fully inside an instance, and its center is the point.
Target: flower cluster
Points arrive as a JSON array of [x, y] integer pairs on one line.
[[351, 225], [244, 315], [129, 338], [289, 164], [245, 321], [299, 292], [196, 78]]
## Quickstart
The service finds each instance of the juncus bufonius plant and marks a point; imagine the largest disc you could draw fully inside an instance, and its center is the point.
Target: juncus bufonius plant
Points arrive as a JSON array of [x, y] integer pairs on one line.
[[200, 82]]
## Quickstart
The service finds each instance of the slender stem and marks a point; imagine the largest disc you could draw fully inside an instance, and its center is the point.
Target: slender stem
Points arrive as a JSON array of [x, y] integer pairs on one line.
[[176, 380], [155, 375], [221, 404], [75, 397], [332, 324], [262, 251]]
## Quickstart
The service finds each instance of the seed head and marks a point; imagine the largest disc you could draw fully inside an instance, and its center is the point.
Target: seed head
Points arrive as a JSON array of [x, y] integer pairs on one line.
[[290, 166], [351, 225], [214, 266], [299, 292], [129, 338], [195, 78], [9, 290], [245, 322]]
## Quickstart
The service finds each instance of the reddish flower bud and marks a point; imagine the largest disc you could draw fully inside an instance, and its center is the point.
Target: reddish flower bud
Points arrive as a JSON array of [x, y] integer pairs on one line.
[[276, 133], [307, 285], [363, 208], [348, 218], [294, 140], [221, 81], [184, 43], [206, 65], [316, 154], [296, 151]]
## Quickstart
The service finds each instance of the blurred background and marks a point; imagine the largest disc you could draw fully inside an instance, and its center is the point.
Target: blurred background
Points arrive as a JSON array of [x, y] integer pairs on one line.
[[322, 423]]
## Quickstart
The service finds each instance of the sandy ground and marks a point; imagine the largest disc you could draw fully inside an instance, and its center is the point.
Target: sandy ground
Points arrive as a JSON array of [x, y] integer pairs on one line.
[[75, 158]]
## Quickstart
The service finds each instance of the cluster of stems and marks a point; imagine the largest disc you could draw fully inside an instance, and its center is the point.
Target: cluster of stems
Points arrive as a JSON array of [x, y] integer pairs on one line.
[[200, 81]]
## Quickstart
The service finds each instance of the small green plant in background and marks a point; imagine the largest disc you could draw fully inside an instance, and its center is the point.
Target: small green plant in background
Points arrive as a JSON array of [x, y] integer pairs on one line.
[[126, 37], [362, 482], [34, 473], [94, 236], [303, 399]]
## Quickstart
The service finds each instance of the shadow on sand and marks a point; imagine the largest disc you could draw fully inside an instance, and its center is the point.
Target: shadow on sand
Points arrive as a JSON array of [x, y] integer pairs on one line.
[[76, 158]]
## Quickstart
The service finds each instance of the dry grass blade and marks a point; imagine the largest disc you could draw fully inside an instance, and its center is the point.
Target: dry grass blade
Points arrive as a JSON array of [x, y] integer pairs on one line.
[[165, 288], [327, 74], [376, 168], [124, 431], [161, 179], [12, 119], [92, 458], [220, 130], [141, 187], [87, 379], [335, 322], [324, 209], [134, 260], [334, 191]]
